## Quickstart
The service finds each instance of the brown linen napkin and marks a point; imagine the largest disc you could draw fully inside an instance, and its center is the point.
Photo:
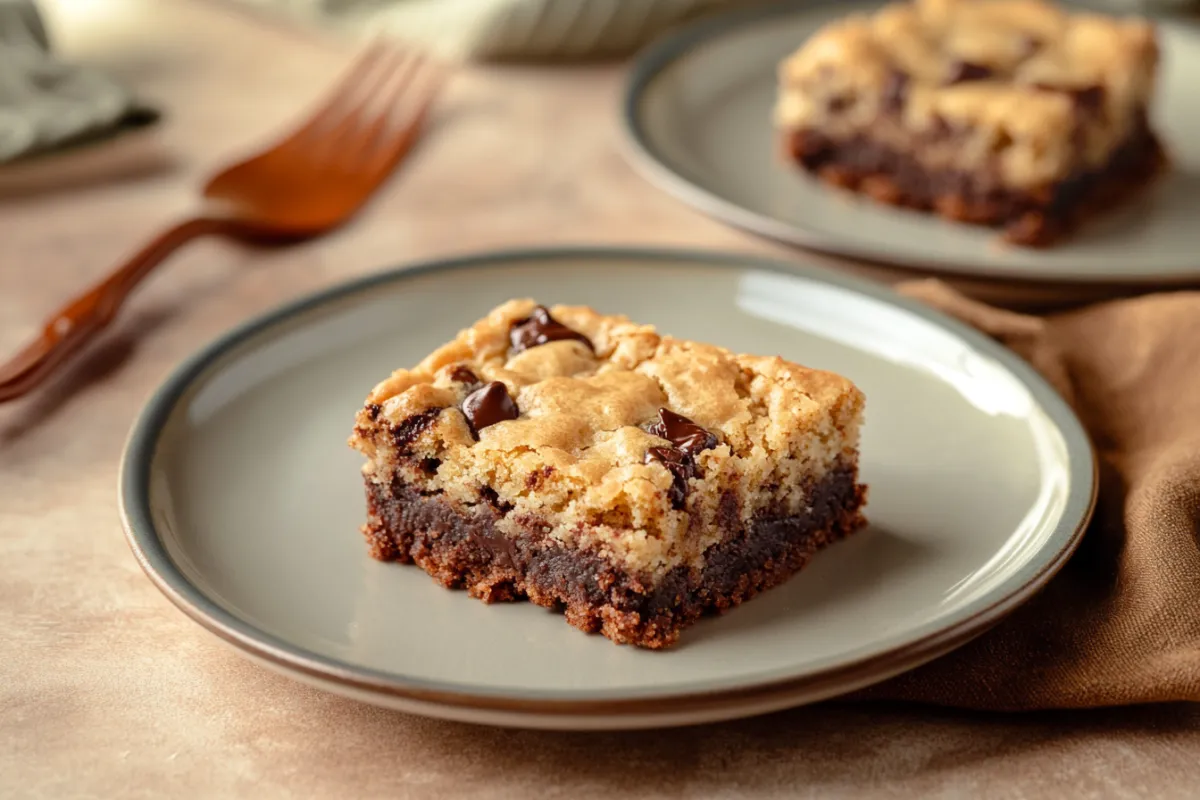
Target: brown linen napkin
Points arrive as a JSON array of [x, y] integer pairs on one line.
[[1121, 623]]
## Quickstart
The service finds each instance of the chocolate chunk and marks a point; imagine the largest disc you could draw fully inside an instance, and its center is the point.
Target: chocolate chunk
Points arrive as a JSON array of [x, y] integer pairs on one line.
[[541, 328], [1030, 45], [964, 71], [895, 91], [487, 406], [493, 499], [681, 432], [687, 439], [461, 373], [405, 432], [680, 465]]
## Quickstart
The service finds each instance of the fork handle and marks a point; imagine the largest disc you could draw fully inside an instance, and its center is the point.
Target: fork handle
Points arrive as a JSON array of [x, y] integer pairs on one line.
[[82, 318]]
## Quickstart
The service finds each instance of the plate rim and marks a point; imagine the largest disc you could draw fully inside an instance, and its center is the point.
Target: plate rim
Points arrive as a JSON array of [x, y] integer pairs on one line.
[[522, 706], [639, 150]]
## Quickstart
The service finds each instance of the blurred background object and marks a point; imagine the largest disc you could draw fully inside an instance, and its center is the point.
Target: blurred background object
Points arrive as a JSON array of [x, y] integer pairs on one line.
[[47, 103], [506, 29], [483, 30], [64, 124]]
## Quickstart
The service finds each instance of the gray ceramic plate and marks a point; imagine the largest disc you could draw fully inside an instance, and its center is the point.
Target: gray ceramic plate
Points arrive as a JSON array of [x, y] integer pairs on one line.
[[242, 500], [698, 123]]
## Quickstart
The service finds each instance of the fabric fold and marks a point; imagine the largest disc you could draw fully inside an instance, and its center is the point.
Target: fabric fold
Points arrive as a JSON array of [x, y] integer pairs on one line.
[[1120, 624]]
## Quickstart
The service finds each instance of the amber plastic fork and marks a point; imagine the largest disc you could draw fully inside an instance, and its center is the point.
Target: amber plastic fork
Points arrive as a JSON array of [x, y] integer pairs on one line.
[[308, 183]]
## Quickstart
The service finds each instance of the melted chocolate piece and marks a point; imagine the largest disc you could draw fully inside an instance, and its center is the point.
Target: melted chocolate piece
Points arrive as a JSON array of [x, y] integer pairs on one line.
[[895, 91], [541, 328], [687, 439], [404, 432], [964, 71], [681, 432], [463, 374], [493, 499], [680, 465], [487, 406]]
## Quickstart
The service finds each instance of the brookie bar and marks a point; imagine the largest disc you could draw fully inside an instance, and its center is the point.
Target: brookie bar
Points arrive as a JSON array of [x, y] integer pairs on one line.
[[1009, 113], [586, 463]]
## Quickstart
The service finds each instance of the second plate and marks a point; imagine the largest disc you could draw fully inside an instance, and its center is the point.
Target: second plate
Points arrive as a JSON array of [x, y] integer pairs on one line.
[[698, 122]]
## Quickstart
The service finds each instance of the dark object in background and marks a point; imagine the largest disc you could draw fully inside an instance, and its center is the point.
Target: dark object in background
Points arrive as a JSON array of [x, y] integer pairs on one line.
[[47, 104]]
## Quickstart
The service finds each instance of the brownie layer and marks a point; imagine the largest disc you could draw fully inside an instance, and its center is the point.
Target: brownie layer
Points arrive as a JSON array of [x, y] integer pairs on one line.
[[1028, 217], [596, 594]]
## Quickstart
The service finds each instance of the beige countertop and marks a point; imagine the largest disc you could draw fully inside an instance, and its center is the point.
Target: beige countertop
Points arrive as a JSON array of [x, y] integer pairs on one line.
[[107, 691]]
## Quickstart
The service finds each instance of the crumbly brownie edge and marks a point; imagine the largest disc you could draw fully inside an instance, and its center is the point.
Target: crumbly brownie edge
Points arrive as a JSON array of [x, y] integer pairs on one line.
[[596, 594], [1028, 218]]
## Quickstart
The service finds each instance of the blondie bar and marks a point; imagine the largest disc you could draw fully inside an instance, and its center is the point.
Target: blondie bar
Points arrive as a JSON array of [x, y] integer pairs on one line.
[[1011, 113], [586, 463]]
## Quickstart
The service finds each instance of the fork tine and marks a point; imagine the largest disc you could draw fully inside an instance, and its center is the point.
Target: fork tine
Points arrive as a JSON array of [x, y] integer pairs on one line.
[[341, 98], [394, 132], [374, 120], [375, 99]]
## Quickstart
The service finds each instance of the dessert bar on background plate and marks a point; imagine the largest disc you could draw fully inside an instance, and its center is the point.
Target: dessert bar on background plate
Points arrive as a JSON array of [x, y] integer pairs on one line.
[[700, 111], [589, 464], [1017, 114], [243, 502]]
